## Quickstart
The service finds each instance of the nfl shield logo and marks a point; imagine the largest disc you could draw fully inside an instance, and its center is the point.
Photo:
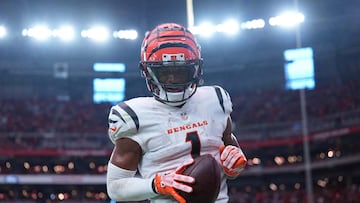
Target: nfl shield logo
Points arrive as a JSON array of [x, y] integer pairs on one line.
[[184, 116]]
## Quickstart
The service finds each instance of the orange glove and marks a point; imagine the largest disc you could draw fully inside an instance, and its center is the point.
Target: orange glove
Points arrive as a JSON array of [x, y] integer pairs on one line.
[[168, 182], [232, 160]]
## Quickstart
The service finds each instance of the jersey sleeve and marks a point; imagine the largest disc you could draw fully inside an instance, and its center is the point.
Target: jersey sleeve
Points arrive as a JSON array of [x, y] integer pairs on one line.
[[123, 122], [224, 99]]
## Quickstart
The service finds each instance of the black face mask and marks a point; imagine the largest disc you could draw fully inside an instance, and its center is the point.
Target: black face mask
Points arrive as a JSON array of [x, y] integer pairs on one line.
[[174, 74]]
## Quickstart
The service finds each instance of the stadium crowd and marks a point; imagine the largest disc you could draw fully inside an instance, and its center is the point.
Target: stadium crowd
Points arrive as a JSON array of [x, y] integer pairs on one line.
[[71, 137], [250, 108]]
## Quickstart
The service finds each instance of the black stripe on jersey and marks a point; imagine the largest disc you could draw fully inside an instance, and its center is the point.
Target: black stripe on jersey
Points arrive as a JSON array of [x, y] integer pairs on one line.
[[118, 114], [131, 112], [221, 99]]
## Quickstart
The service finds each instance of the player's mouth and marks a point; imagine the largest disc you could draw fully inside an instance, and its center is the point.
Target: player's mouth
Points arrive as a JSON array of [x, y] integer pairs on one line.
[[174, 89]]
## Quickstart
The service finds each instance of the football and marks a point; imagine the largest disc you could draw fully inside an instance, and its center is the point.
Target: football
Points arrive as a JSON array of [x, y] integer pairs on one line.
[[206, 172]]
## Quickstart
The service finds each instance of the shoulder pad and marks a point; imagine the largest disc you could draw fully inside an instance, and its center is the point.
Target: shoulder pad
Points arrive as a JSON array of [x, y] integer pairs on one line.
[[224, 99], [122, 121]]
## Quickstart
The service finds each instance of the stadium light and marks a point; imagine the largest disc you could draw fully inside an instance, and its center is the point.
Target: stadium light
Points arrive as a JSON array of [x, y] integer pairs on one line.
[[98, 33], [65, 33], [230, 27], [42, 33], [2, 31], [287, 19], [39, 32], [253, 24], [205, 29], [125, 34]]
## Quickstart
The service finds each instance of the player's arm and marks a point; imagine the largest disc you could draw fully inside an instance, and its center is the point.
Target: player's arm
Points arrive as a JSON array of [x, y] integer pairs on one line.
[[228, 136], [121, 183], [232, 158], [123, 186]]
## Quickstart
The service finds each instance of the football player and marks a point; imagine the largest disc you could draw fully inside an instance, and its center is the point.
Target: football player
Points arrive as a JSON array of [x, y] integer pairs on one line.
[[157, 137]]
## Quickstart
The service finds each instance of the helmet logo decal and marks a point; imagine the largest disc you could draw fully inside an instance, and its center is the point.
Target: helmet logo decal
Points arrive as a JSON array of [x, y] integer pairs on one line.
[[172, 45], [173, 57]]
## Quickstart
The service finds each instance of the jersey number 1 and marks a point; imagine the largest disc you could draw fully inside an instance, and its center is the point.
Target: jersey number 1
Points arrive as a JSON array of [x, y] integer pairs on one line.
[[194, 139]]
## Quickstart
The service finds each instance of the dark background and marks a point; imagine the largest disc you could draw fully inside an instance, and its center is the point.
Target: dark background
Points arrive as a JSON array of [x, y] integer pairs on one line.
[[249, 61]]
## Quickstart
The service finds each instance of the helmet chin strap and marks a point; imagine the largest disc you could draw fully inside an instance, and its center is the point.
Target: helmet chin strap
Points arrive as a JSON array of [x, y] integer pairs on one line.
[[171, 98], [182, 97], [175, 104]]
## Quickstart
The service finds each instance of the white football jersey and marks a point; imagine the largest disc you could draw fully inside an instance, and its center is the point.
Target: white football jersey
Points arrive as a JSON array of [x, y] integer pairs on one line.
[[168, 135]]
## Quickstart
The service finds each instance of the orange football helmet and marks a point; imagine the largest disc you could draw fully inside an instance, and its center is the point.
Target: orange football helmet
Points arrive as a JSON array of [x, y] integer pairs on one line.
[[171, 63]]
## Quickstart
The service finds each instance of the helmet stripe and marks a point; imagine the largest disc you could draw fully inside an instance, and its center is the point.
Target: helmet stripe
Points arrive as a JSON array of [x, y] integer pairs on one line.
[[169, 36]]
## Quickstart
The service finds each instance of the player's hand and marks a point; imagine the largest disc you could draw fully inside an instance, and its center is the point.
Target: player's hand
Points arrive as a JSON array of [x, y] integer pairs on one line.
[[168, 182], [232, 159]]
